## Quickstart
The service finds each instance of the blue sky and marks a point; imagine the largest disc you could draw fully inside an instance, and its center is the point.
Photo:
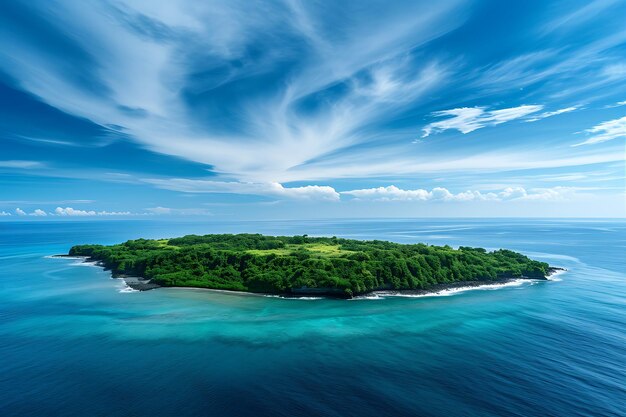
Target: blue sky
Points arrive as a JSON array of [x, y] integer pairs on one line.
[[303, 109]]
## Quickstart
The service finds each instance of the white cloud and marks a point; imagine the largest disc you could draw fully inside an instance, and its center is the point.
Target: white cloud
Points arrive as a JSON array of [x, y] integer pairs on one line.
[[614, 71], [20, 164], [114, 213], [45, 202], [552, 113], [308, 192], [274, 139], [618, 104], [312, 192], [159, 210], [605, 131], [393, 193], [552, 66], [69, 211], [144, 56], [551, 194], [576, 17], [380, 162], [35, 213], [468, 119], [178, 211]]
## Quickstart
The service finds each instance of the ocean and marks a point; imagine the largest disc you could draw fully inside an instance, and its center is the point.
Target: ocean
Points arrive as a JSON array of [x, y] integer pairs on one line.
[[75, 342]]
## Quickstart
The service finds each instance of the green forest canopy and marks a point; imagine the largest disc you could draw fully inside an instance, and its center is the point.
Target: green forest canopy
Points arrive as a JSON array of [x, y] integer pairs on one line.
[[299, 264]]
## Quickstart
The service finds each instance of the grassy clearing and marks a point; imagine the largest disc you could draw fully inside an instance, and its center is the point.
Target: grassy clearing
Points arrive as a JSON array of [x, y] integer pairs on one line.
[[282, 251], [328, 250], [320, 249]]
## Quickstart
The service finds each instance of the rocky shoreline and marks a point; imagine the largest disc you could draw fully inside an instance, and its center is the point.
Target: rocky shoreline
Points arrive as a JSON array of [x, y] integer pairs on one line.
[[142, 284], [136, 283]]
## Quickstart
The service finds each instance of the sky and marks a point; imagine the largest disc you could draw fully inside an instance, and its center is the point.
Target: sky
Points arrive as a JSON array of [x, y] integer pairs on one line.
[[309, 109]]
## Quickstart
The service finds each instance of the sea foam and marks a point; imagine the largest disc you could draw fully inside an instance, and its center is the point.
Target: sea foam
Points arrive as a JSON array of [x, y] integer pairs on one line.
[[447, 292]]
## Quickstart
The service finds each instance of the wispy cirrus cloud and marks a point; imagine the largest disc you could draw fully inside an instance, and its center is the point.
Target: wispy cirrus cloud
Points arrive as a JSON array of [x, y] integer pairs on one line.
[[316, 90], [45, 202], [469, 119], [21, 164], [605, 131], [552, 113], [272, 94], [578, 16], [618, 104]]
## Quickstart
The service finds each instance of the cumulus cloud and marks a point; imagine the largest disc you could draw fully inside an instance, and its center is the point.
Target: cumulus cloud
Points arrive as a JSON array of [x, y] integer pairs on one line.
[[469, 119], [35, 213], [114, 213], [274, 189], [393, 193], [69, 211], [605, 131], [552, 113]]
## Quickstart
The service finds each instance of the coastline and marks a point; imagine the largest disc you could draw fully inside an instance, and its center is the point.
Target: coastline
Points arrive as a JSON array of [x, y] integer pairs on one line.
[[137, 284]]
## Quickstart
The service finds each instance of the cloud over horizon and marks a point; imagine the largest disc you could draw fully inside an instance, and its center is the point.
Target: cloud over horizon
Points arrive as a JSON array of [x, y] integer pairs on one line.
[[313, 192], [393, 193], [164, 102]]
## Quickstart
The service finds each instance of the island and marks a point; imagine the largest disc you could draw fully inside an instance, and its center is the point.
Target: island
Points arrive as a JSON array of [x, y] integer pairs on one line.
[[303, 265]]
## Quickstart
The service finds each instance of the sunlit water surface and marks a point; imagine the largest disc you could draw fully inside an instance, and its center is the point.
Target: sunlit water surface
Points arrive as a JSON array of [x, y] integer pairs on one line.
[[75, 342]]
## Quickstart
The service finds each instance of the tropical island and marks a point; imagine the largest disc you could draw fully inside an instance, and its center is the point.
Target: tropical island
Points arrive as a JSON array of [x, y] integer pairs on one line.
[[303, 265]]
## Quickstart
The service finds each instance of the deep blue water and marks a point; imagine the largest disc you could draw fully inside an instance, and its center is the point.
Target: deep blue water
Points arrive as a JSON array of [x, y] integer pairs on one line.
[[73, 343]]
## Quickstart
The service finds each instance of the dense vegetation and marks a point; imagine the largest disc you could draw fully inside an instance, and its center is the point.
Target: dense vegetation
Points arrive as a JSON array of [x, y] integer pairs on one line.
[[301, 264]]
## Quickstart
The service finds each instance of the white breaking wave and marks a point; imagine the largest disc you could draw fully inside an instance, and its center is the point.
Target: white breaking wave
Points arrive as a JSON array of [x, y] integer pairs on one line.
[[448, 292], [125, 287], [555, 276], [84, 264], [291, 298]]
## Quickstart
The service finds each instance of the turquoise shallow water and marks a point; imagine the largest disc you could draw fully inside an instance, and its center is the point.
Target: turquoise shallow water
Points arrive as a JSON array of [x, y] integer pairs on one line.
[[73, 341]]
